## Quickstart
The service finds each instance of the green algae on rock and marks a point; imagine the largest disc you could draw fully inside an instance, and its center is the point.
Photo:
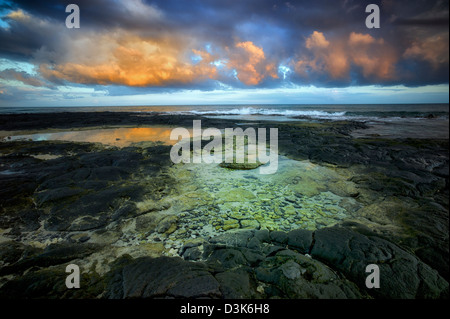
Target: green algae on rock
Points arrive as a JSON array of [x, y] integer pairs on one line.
[[241, 166]]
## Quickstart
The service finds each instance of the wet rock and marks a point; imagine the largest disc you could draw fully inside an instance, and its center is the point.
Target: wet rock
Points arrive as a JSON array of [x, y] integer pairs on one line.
[[237, 284], [254, 243], [192, 253], [26, 220], [84, 223], [236, 195], [249, 224], [279, 237], [162, 277], [49, 283], [83, 191], [147, 223], [84, 239], [344, 189], [241, 166], [271, 250], [89, 211], [54, 254], [11, 252], [57, 194], [253, 257], [167, 225], [300, 240], [237, 238], [227, 258], [263, 235], [291, 270], [402, 274], [40, 284], [291, 275], [386, 211], [126, 211]]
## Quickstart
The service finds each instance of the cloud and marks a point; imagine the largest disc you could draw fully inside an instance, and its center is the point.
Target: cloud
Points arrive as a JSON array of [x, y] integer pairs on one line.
[[322, 58], [24, 77], [375, 57], [129, 60], [25, 34], [250, 63], [171, 45], [372, 59], [317, 41], [433, 49]]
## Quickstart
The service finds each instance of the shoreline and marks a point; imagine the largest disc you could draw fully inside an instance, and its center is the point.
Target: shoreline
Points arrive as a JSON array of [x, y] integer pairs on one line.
[[115, 210]]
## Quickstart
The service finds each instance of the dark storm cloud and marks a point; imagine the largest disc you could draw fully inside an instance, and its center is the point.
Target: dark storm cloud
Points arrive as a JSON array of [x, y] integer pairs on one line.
[[323, 43], [439, 22], [98, 13]]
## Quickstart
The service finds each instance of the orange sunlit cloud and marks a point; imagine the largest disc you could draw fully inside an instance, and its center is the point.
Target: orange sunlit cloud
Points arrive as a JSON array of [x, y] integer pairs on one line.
[[328, 57], [374, 56], [335, 56], [250, 63], [133, 61], [145, 62], [433, 49]]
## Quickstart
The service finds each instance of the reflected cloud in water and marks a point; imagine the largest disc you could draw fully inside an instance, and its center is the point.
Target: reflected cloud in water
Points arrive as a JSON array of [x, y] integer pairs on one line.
[[120, 137]]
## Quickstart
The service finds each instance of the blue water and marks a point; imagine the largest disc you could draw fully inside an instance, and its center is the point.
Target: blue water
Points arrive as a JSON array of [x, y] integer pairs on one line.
[[334, 112], [386, 120]]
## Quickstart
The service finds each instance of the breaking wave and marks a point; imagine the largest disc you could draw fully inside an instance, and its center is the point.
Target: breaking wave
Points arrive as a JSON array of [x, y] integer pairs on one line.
[[272, 112]]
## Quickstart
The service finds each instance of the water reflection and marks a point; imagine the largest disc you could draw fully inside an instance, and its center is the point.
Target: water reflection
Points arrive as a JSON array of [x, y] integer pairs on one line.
[[120, 137]]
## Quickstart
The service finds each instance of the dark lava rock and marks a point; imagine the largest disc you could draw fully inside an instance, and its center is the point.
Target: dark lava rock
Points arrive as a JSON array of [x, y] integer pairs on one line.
[[54, 254], [237, 284], [291, 275], [238, 238], [254, 243], [56, 194], [192, 253], [46, 283], [11, 252], [83, 191], [300, 240], [279, 237], [50, 283], [126, 211], [227, 258], [240, 166], [162, 277], [402, 275], [263, 235]]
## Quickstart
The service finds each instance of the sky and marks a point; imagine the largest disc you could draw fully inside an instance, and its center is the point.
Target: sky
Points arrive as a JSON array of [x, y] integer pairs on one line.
[[167, 52]]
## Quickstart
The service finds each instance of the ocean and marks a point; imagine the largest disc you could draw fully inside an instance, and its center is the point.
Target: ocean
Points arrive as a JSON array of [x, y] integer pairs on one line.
[[384, 120], [315, 111]]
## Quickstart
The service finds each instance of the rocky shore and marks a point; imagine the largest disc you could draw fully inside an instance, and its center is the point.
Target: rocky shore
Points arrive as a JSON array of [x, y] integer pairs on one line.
[[140, 226]]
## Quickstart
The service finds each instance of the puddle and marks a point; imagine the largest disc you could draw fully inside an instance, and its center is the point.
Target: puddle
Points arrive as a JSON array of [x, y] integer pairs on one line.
[[120, 137], [213, 200], [46, 157]]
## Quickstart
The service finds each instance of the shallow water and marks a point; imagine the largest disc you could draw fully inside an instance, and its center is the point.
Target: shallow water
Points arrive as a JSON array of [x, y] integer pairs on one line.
[[120, 137], [213, 200]]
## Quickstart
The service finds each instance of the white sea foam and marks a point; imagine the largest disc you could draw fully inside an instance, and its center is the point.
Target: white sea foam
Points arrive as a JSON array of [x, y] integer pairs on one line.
[[272, 112]]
